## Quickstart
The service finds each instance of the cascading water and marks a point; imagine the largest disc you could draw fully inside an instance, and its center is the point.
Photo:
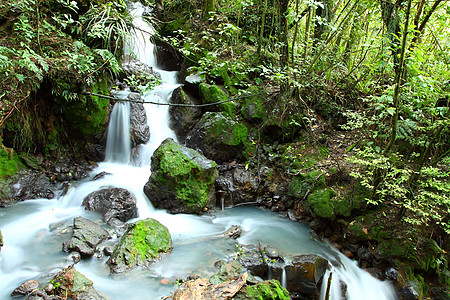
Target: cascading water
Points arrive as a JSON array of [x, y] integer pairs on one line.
[[34, 230]]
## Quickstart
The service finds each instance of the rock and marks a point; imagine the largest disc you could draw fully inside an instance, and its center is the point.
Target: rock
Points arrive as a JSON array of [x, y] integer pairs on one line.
[[213, 94], [252, 108], [202, 289], [411, 291], [304, 274], [32, 185], [183, 119], [74, 257], [234, 232], [1, 240], [26, 288], [71, 284], [250, 258], [219, 138], [192, 81], [100, 175], [182, 179], [271, 252], [320, 203], [266, 290], [107, 251], [139, 130], [38, 295], [143, 242], [228, 271], [112, 203], [86, 237], [132, 65]]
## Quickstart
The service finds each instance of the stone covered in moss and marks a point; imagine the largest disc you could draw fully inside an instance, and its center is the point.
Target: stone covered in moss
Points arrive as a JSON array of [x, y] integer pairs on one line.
[[220, 138], [301, 184], [89, 115], [320, 203], [182, 179], [266, 290], [253, 109], [71, 284], [143, 242], [213, 94], [10, 164]]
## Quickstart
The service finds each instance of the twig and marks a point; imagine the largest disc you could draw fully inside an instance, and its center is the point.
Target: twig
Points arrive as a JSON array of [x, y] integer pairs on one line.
[[312, 185]]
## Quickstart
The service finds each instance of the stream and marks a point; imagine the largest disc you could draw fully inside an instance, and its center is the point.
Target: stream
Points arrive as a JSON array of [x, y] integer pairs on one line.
[[34, 230]]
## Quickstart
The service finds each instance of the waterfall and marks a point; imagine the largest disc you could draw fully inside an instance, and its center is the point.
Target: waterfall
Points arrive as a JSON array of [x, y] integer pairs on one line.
[[118, 147]]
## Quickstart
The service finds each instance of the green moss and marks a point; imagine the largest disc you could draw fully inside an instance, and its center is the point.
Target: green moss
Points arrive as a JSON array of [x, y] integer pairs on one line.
[[9, 165], [143, 242], [266, 290], [230, 132], [301, 184], [213, 94], [252, 107], [177, 166], [88, 116], [320, 203]]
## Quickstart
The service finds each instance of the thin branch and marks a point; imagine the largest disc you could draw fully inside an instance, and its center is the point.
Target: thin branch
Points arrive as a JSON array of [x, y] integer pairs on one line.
[[167, 104]]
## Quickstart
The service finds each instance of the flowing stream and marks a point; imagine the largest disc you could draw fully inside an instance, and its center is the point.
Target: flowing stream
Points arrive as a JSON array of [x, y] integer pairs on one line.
[[34, 230]]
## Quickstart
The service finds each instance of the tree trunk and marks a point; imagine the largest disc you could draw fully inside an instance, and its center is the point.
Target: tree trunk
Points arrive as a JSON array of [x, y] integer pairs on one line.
[[284, 58]]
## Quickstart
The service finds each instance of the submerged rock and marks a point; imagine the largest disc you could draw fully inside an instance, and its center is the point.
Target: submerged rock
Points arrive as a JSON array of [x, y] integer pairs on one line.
[[219, 138], [305, 273], [71, 284], [143, 242], [86, 237], [114, 204], [182, 179], [26, 288]]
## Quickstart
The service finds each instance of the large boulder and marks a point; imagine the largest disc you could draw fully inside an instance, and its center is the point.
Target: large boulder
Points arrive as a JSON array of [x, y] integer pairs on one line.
[[139, 130], [183, 118], [219, 138], [143, 242], [113, 204], [182, 179], [86, 237], [71, 284], [305, 273]]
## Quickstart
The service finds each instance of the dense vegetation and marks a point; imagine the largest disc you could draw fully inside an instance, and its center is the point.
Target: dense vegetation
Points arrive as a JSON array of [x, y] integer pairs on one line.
[[373, 71]]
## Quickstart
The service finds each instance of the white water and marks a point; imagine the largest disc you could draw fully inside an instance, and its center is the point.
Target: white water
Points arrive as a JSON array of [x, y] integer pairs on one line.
[[34, 230]]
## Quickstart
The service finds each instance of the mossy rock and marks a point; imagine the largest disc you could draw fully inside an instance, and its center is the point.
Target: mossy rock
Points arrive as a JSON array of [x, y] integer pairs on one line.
[[220, 138], [253, 109], [266, 290], [182, 179], [321, 204], [89, 115], [70, 283], [143, 242], [227, 271], [9, 168], [301, 184], [10, 163], [212, 94]]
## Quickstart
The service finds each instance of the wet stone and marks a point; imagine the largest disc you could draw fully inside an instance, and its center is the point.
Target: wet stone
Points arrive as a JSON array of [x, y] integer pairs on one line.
[[25, 288]]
